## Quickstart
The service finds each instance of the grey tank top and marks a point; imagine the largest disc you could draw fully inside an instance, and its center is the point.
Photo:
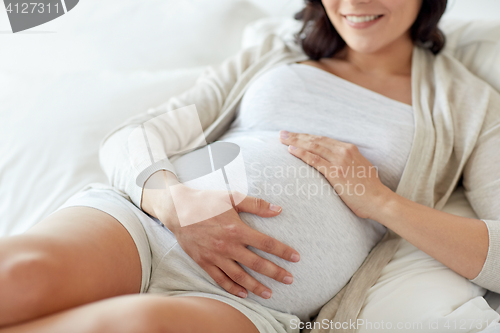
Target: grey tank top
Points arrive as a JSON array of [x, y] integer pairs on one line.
[[332, 241]]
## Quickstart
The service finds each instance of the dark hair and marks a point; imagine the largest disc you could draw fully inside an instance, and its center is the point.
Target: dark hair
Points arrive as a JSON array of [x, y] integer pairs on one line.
[[319, 39]]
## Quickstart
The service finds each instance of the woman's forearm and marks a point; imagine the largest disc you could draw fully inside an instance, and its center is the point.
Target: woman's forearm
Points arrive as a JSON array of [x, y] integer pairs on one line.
[[458, 242]]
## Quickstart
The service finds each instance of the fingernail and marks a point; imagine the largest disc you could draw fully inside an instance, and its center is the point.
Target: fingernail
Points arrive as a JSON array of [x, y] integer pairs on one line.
[[242, 294], [284, 134], [275, 208], [292, 147], [266, 294], [288, 280], [295, 257]]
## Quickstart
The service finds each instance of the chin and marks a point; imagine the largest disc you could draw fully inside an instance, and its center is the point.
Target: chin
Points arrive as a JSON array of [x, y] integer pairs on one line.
[[366, 48]]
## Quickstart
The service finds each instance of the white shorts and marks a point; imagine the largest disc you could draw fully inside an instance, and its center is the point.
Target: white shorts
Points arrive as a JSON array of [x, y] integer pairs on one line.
[[166, 268]]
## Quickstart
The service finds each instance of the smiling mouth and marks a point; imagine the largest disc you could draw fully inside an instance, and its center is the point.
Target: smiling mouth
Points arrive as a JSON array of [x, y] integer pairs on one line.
[[362, 19]]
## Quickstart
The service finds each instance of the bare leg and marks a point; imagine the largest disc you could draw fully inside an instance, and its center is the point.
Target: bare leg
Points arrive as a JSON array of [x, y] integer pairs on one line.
[[143, 313], [75, 256]]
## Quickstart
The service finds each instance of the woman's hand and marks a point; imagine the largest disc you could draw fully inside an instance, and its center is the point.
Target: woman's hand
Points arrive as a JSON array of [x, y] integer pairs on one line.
[[219, 243], [352, 176]]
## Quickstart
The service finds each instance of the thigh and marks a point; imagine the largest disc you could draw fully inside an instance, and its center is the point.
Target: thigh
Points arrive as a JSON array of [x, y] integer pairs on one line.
[[195, 314], [143, 313], [95, 251], [75, 256]]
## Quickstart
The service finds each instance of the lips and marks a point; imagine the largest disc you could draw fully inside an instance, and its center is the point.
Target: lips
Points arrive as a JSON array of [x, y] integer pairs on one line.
[[362, 21]]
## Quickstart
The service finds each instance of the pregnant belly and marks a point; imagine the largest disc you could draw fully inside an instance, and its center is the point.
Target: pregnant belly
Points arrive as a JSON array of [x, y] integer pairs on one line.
[[332, 241]]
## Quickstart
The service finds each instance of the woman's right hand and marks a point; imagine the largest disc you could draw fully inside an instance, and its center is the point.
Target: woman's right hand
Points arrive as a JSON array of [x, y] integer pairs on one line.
[[219, 243]]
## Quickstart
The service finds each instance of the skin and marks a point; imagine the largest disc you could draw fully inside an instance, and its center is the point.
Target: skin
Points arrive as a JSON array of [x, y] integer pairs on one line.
[[70, 272], [379, 58], [459, 243], [217, 250], [79, 271]]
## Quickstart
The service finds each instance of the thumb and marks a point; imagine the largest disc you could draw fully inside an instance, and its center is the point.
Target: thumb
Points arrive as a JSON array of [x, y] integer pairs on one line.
[[258, 207]]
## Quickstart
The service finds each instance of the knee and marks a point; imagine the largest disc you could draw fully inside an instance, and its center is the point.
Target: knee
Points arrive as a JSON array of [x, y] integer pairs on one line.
[[27, 278]]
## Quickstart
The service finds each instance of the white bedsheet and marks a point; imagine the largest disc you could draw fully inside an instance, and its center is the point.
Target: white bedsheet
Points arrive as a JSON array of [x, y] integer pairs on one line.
[[67, 83]]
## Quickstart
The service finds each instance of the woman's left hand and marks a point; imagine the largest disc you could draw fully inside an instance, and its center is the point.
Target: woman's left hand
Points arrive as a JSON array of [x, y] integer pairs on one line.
[[352, 176]]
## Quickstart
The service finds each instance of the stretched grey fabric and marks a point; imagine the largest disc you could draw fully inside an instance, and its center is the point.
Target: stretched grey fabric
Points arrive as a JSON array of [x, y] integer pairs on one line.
[[332, 241], [346, 305], [447, 101], [457, 133]]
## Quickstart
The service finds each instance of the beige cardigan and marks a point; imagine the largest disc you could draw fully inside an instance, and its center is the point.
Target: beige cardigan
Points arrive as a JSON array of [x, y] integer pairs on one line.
[[457, 133]]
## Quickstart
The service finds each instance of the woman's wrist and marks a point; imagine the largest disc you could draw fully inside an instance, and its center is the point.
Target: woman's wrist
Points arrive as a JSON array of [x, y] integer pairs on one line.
[[157, 199], [386, 205]]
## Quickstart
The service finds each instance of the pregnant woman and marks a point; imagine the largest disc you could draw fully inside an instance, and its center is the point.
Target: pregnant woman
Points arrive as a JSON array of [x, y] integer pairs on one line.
[[348, 140]]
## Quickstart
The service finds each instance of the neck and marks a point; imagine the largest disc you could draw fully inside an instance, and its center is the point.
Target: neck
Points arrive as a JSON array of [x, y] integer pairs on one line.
[[394, 59]]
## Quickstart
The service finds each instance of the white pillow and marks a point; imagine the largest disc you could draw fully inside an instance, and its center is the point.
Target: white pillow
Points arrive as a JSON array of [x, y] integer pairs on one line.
[[255, 32], [477, 45], [130, 35], [416, 290], [65, 84], [51, 128], [280, 8]]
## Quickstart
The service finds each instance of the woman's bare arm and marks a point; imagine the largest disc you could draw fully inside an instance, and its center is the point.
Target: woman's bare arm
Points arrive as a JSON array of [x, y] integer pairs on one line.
[[459, 243]]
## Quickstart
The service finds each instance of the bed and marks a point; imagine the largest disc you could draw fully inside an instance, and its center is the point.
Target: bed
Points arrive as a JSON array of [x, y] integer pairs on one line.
[[67, 83]]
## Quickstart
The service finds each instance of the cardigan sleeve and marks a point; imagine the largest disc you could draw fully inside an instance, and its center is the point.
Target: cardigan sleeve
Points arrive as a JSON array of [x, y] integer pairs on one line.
[[142, 145], [482, 189]]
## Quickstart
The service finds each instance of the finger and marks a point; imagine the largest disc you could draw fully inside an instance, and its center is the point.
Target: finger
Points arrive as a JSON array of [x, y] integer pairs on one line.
[[317, 162], [263, 266], [258, 207], [270, 245], [224, 281], [315, 147], [290, 138], [242, 278]]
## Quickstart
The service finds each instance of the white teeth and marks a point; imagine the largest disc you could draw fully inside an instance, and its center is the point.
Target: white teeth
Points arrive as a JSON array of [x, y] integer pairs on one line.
[[361, 19]]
